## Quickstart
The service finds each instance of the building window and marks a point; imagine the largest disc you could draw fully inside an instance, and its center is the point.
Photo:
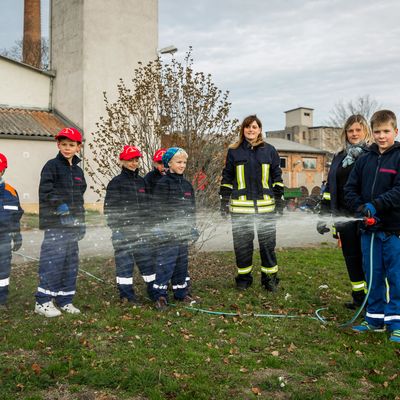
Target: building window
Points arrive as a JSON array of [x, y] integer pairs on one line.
[[307, 114], [309, 163], [283, 162], [304, 135], [289, 136]]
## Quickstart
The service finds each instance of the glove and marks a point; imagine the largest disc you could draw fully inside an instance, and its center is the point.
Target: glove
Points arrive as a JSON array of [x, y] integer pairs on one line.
[[322, 228], [195, 234], [17, 241], [367, 210], [279, 205], [224, 207], [62, 209]]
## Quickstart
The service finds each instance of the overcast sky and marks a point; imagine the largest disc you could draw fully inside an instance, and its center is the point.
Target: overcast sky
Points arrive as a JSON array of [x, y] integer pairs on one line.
[[275, 55]]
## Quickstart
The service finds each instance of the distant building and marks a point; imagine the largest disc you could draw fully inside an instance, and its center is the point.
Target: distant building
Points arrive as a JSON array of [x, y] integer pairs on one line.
[[299, 128], [303, 166]]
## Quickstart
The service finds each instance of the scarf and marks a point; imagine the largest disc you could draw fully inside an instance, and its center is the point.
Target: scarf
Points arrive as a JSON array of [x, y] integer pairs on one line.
[[353, 151]]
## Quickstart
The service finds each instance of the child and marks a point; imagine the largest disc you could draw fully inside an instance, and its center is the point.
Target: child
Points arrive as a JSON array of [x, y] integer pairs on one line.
[[126, 209], [373, 190], [158, 171], [10, 236], [62, 217], [174, 203]]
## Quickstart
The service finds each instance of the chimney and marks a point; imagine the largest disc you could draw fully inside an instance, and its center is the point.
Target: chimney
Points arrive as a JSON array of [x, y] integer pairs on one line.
[[31, 47]]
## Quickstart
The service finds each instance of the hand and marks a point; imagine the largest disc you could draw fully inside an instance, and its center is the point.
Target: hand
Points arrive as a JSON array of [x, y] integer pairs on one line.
[[81, 232], [195, 234], [224, 208], [322, 228], [17, 241], [62, 209], [279, 205], [367, 210], [67, 220]]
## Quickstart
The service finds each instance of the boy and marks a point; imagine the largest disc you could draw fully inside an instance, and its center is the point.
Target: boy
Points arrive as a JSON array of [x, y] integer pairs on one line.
[[373, 190], [62, 217], [174, 203], [158, 171], [126, 209], [10, 236]]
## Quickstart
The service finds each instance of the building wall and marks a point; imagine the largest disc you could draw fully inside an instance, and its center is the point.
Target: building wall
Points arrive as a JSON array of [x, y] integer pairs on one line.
[[108, 40], [26, 159], [300, 116], [23, 86]]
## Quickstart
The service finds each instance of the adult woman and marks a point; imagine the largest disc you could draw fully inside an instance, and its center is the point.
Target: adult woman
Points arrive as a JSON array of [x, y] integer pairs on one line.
[[356, 136], [251, 191]]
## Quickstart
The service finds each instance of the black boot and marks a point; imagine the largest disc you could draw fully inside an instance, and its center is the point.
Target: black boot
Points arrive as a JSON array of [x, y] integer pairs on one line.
[[270, 282], [358, 298], [243, 281]]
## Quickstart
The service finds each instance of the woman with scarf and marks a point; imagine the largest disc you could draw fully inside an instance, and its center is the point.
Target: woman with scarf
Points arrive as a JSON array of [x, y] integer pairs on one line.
[[356, 137]]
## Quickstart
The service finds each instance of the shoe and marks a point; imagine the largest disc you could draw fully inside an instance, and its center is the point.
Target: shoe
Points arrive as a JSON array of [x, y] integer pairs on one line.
[[395, 336], [161, 303], [352, 305], [130, 302], [188, 300], [366, 327], [48, 309], [70, 309], [242, 285], [271, 283]]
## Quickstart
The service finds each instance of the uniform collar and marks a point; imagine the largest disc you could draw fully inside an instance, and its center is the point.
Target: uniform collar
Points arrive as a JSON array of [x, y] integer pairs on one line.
[[75, 159], [131, 173], [375, 149], [175, 176]]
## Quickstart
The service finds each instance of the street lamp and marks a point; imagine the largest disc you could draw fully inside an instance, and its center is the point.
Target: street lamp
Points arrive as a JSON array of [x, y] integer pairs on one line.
[[168, 50]]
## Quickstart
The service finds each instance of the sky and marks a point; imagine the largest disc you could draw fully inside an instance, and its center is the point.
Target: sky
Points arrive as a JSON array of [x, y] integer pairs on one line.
[[276, 55]]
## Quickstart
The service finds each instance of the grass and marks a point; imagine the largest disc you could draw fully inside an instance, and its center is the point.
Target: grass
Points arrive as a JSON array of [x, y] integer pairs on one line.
[[115, 352], [30, 221]]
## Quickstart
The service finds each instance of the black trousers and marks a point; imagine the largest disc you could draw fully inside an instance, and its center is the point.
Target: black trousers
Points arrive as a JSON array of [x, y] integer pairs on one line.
[[350, 238], [243, 231]]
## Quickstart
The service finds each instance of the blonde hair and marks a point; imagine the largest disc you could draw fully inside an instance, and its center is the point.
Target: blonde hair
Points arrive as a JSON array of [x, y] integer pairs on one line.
[[246, 122], [383, 117], [356, 118]]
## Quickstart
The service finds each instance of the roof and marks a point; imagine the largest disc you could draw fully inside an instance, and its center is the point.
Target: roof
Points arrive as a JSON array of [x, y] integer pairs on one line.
[[291, 146], [26, 123], [299, 108], [30, 67]]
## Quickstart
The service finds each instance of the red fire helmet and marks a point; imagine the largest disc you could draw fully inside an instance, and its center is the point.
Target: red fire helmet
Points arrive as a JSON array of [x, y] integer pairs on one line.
[[158, 155], [3, 162], [71, 134], [130, 152]]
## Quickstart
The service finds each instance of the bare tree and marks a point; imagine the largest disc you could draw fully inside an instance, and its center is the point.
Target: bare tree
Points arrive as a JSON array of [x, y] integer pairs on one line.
[[363, 105], [15, 52], [168, 104]]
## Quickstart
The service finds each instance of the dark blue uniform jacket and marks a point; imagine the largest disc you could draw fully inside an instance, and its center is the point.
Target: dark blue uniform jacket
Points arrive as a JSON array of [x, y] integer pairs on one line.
[[376, 178], [152, 179], [61, 183], [10, 209], [174, 206]]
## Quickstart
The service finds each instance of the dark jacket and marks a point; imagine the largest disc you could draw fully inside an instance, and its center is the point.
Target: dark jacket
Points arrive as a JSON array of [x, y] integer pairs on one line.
[[375, 179], [61, 183], [174, 206], [152, 178], [252, 178], [332, 195], [10, 209], [126, 204]]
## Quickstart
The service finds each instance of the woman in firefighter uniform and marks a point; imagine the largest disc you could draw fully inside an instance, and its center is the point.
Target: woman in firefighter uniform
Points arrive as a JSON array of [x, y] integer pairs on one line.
[[356, 136], [252, 192]]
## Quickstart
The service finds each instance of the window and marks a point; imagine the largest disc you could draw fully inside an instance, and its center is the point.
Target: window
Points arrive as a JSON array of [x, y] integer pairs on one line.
[[309, 163], [307, 114], [304, 135], [289, 136], [283, 162]]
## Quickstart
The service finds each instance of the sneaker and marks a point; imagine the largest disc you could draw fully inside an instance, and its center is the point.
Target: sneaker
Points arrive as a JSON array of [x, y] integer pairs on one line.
[[70, 309], [395, 336], [366, 327], [161, 303], [48, 309]]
